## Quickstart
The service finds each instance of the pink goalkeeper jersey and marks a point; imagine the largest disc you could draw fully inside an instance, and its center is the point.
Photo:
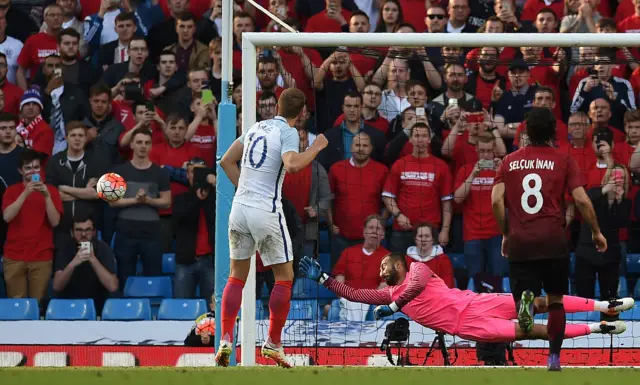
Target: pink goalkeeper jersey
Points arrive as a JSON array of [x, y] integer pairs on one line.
[[422, 296]]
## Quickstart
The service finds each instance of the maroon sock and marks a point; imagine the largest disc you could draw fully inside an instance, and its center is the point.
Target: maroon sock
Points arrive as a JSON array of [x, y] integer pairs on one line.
[[279, 304], [555, 327]]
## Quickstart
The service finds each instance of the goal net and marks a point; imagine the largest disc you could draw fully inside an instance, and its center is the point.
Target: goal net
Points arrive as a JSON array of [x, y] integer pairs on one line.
[[366, 92]]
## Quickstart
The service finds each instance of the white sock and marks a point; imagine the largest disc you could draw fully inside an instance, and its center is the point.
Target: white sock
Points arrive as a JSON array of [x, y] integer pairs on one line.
[[595, 327], [601, 306]]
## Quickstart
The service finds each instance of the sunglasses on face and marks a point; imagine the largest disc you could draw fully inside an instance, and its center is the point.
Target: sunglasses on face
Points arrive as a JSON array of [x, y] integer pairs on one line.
[[439, 17]]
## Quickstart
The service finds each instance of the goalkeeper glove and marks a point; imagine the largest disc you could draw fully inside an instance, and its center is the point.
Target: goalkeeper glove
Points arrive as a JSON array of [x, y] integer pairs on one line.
[[311, 269], [385, 311]]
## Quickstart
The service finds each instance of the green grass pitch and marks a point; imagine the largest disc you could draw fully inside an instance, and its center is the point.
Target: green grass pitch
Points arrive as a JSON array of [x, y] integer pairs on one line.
[[315, 375]]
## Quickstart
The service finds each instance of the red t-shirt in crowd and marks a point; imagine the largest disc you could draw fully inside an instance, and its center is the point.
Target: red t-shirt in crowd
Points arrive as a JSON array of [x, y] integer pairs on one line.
[[357, 193], [12, 97], [630, 25], [39, 138], [296, 188], [478, 221], [463, 153], [378, 122], [414, 12], [293, 64], [203, 246], [585, 157], [562, 133], [205, 140], [35, 50], [364, 63], [320, 22], [29, 234], [197, 7], [625, 9], [440, 265], [419, 185], [532, 7], [166, 155], [536, 179], [360, 270], [506, 55], [618, 135]]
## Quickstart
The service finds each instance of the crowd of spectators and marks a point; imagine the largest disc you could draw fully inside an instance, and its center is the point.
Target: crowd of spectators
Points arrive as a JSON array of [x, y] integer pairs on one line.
[[415, 135]]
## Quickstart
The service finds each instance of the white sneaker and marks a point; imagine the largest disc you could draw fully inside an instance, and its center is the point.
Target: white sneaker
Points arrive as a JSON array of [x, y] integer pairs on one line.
[[224, 351], [604, 327], [618, 305], [275, 353]]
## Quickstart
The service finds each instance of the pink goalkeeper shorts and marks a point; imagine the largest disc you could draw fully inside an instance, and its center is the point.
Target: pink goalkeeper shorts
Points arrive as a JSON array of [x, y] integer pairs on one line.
[[489, 318]]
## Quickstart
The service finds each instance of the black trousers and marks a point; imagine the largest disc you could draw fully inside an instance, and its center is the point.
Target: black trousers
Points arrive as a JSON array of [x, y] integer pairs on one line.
[[586, 279]]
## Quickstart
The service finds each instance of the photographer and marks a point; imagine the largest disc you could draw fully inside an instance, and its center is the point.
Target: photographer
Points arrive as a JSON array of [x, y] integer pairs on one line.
[[194, 217], [612, 209], [85, 266]]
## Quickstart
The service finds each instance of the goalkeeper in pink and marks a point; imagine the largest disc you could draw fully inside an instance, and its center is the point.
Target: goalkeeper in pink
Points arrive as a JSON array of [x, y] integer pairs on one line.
[[424, 297]]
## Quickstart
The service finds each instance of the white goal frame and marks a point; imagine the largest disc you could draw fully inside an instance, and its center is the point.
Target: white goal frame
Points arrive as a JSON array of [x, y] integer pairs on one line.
[[253, 40]]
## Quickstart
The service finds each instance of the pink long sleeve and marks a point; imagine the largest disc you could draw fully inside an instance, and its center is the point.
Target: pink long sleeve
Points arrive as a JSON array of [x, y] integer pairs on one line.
[[418, 276], [368, 296]]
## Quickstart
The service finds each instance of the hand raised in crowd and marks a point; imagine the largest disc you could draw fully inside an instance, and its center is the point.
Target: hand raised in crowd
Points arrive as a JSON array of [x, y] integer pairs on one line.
[[202, 194], [41, 188], [404, 222], [311, 212], [496, 92]]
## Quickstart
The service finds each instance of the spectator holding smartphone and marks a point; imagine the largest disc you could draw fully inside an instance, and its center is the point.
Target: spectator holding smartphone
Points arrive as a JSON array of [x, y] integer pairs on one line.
[[194, 218], [85, 266], [612, 209], [31, 209]]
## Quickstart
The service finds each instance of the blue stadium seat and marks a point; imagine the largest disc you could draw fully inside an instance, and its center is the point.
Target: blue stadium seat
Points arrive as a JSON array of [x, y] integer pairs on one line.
[[471, 285], [590, 316], [572, 264], [264, 292], [597, 291], [457, 260], [262, 311], [154, 288], [542, 316], [633, 263], [305, 288], [19, 309], [139, 268], [325, 261], [127, 309], [71, 310], [623, 288], [636, 291], [182, 309], [169, 263], [113, 241], [324, 242], [395, 317], [303, 310], [506, 285], [631, 314], [334, 312]]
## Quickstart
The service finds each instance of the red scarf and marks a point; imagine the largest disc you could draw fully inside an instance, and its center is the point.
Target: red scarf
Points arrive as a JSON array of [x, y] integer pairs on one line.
[[25, 131]]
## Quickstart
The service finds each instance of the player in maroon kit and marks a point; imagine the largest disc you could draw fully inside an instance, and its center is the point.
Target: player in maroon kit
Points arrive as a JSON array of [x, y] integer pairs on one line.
[[531, 184]]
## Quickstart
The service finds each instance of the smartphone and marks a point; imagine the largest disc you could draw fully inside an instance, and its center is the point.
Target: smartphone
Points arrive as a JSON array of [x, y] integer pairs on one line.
[[617, 175], [200, 177], [420, 111], [593, 73], [35, 178], [453, 102], [57, 72], [506, 6], [150, 107], [207, 97], [282, 11], [475, 117], [485, 164], [85, 245]]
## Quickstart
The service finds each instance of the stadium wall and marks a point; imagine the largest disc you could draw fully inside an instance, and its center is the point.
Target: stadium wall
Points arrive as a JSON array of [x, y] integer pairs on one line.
[[159, 343]]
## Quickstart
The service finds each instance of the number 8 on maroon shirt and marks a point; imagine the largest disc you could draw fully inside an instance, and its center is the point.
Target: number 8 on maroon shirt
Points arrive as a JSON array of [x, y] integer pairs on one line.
[[535, 179]]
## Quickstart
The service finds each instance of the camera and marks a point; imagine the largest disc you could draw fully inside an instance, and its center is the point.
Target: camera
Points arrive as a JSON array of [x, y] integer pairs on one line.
[[397, 331]]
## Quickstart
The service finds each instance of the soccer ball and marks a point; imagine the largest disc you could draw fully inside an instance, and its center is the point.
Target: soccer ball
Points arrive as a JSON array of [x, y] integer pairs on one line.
[[207, 325], [111, 187]]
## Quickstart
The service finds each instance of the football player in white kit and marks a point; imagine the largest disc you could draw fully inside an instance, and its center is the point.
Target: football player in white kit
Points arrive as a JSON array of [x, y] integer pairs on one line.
[[265, 152]]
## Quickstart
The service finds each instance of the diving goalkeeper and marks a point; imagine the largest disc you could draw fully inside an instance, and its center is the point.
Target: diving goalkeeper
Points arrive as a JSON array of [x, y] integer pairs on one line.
[[424, 297]]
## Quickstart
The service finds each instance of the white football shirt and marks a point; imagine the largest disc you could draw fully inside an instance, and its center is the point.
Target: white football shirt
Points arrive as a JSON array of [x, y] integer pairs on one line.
[[261, 169], [11, 48]]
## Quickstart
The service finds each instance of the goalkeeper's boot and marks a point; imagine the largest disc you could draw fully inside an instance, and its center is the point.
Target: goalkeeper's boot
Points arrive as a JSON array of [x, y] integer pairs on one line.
[[553, 363], [525, 313], [275, 353], [604, 327], [618, 305], [224, 351]]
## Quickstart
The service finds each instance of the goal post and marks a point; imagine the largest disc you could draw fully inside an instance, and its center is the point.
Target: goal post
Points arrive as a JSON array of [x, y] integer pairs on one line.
[[252, 41]]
